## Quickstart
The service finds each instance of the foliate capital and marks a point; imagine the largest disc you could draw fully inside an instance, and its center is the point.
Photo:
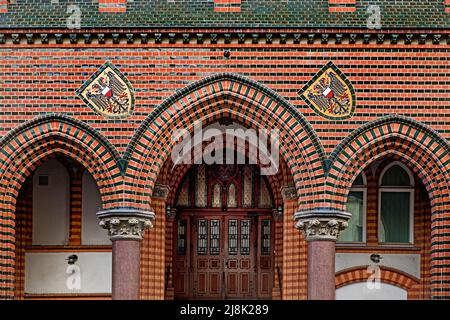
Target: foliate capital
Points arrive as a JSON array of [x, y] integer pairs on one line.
[[323, 224], [126, 224]]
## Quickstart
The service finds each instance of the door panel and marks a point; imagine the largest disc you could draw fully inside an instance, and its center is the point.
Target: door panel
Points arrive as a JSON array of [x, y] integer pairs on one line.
[[224, 256], [239, 258]]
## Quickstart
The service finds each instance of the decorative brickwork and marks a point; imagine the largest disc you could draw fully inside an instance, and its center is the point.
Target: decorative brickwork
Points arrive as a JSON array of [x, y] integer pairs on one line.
[[216, 96], [201, 13], [112, 5], [25, 148], [426, 153], [153, 248], [342, 5], [3, 6], [194, 59], [390, 276], [227, 5]]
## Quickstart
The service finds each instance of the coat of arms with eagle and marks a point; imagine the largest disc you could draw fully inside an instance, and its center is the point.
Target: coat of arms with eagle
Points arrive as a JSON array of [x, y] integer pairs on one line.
[[108, 92], [330, 94]]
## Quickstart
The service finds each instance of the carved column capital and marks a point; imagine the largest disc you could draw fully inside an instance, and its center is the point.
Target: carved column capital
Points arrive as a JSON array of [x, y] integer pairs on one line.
[[126, 224], [323, 224], [288, 193], [171, 212], [160, 191]]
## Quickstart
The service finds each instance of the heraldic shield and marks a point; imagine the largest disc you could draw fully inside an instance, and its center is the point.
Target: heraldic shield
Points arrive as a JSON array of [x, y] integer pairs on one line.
[[108, 92], [330, 94]]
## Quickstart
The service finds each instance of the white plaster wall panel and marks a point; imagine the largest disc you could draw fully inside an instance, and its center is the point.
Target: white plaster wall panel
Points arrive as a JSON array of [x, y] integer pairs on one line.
[[46, 272], [360, 291], [91, 232], [51, 205]]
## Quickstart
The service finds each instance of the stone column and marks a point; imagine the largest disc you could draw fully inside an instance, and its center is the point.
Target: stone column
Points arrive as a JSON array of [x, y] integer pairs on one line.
[[321, 229], [126, 228]]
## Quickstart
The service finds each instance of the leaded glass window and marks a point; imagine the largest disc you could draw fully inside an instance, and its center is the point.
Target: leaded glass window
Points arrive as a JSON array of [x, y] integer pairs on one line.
[[245, 237], [202, 237], [216, 201], [264, 195], [265, 237], [232, 237], [214, 241], [182, 237], [200, 195], [232, 199], [247, 198]]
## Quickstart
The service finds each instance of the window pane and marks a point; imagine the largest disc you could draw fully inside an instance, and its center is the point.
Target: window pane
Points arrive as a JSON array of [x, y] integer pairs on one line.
[[214, 244], [216, 196], [355, 205], [359, 181], [245, 237], [232, 237], [202, 237], [265, 237], [396, 176], [395, 211], [182, 237]]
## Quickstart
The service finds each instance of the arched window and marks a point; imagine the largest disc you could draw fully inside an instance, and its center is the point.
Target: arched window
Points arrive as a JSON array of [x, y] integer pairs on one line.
[[356, 205], [396, 204]]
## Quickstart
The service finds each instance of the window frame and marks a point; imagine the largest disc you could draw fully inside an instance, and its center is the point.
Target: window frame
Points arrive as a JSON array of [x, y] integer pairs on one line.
[[399, 189], [359, 188]]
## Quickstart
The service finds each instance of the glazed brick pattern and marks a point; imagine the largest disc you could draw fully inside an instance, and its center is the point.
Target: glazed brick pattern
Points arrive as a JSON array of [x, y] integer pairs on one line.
[[24, 230], [387, 276], [386, 81], [201, 13], [227, 5], [112, 5], [76, 185], [212, 97], [342, 5], [153, 275], [255, 85], [3, 6], [295, 258]]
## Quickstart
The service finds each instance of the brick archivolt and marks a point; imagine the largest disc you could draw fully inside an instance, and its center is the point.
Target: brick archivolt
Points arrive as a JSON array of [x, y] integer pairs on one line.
[[237, 98]]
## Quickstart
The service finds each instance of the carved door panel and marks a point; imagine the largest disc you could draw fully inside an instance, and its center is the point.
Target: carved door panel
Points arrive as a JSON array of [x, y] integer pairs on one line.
[[182, 251], [207, 237], [265, 257], [239, 258]]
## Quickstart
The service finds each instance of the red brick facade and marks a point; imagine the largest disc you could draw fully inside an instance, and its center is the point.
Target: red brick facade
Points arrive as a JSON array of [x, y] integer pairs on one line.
[[401, 81]]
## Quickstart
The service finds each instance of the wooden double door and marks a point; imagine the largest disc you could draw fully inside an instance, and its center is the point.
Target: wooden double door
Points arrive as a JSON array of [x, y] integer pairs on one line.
[[223, 256]]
